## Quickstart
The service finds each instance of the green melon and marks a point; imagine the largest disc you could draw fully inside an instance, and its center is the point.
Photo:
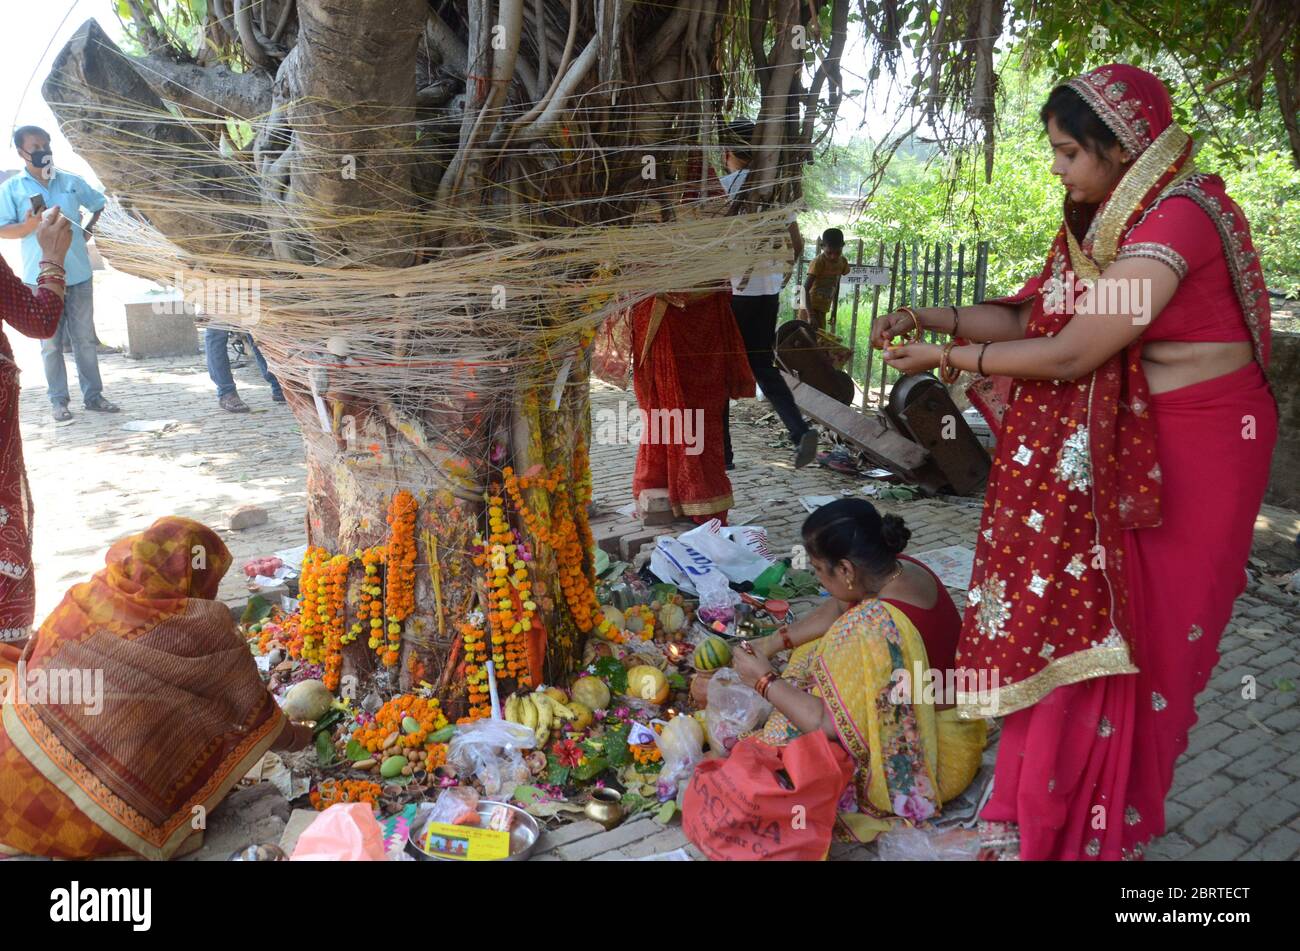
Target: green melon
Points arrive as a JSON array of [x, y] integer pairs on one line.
[[712, 654]]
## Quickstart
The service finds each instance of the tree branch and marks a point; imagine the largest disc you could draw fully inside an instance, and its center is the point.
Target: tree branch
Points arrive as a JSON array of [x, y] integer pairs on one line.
[[207, 90]]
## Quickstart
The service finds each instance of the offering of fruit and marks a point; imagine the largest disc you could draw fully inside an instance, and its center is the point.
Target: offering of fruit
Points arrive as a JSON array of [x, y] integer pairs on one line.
[[647, 683], [712, 654], [267, 566], [591, 692]]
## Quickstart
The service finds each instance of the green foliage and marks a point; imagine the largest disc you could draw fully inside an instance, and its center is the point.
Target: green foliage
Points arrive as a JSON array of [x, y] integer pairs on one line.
[[1019, 211], [612, 671]]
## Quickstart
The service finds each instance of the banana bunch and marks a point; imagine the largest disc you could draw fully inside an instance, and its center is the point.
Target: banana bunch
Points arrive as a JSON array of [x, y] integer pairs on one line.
[[539, 712]]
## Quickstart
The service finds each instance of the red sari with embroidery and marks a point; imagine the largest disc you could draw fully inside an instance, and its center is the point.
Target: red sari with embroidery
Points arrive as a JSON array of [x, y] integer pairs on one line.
[[1107, 565], [33, 314], [690, 360]]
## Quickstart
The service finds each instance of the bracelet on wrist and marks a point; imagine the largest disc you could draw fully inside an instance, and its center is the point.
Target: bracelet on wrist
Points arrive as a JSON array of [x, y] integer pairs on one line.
[[947, 372], [785, 637], [979, 366], [955, 320]]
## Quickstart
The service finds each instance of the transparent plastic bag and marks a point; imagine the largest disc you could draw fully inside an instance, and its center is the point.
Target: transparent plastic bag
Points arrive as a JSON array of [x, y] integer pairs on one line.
[[734, 710], [717, 600], [907, 844], [457, 806], [682, 745], [491, 752]]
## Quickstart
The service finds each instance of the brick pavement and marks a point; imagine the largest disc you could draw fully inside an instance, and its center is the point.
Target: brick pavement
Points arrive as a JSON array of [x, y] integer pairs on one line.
[[1236, 793]]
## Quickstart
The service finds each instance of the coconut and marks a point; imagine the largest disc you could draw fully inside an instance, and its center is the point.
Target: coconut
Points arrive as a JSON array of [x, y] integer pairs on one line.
[[672, 618], [307, 700]]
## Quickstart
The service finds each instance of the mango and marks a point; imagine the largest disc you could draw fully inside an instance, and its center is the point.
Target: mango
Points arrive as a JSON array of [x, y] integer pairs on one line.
[[392, 766]]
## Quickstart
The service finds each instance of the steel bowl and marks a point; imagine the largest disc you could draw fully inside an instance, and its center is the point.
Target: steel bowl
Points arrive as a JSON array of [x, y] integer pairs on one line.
[[524, 832]]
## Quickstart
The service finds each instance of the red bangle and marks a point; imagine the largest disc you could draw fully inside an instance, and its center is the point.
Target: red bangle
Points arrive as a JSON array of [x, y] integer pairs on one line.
[[763, 683], [785, 637]]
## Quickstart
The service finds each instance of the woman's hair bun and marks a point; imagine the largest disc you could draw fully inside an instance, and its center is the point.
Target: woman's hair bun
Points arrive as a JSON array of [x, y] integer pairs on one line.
[[894, 533]]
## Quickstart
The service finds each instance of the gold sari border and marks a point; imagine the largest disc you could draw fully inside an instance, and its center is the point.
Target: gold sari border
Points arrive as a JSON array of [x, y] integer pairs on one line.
[[1080, 666], [26, 744], [711, 506]]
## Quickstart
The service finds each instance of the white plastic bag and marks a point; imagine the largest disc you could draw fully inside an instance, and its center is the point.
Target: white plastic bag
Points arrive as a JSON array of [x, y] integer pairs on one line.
[[716, 599], [682, 565], [682, 745], [490, 751], [753, 537], [734, 710], [737, 561]]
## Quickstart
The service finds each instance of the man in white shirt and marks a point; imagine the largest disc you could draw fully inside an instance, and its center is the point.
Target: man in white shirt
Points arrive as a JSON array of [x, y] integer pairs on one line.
[[755, 302]]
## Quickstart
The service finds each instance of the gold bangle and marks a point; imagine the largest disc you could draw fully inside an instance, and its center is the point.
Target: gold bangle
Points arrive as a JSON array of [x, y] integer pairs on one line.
[[916, 331], [948, 373]]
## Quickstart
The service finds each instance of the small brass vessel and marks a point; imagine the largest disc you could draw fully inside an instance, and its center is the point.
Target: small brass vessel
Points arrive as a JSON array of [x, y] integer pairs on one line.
[[605, 807]]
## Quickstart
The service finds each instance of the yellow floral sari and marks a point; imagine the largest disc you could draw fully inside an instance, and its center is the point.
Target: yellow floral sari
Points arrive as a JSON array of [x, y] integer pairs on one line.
[[910, 758]]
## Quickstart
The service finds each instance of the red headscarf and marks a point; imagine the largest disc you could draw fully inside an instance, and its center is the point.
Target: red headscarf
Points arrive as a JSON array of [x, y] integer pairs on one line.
[[1098, 430]]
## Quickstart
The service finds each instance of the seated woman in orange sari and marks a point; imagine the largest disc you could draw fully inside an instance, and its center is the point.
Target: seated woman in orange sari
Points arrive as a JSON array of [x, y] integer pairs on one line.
[[170, 713], [860, 671]]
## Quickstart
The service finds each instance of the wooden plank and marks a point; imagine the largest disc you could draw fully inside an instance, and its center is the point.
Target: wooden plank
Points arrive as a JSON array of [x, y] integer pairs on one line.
[[870, 433]]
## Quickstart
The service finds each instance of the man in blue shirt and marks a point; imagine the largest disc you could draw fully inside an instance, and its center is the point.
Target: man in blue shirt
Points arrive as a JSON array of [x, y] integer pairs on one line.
[[18, 219]]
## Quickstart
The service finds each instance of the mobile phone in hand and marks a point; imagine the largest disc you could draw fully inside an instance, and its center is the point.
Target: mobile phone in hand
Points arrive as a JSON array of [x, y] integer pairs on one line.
[[38, 204]]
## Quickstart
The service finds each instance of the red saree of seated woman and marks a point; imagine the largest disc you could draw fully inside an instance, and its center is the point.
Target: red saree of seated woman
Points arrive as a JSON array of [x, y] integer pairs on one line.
[[690, 360], [1107, 563]]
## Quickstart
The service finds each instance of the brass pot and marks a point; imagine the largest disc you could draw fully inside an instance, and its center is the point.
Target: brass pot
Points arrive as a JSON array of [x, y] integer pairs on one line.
[[605, 807]]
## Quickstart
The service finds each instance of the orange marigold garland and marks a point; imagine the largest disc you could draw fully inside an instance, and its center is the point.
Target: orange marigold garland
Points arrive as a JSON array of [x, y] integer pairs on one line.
[[568, 537], [400, 574], [331, 791], [370, 610], [335, 584], [474, 644], [388, 720]]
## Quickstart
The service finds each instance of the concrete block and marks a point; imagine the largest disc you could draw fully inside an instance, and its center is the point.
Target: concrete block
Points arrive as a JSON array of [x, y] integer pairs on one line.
[[160, 327]]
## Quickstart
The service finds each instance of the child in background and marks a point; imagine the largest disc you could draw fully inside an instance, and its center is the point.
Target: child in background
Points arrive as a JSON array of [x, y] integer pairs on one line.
[[824, 278]]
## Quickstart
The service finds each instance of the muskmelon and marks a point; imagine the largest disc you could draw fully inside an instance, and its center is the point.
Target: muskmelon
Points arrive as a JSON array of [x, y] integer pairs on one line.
[[712, 654]]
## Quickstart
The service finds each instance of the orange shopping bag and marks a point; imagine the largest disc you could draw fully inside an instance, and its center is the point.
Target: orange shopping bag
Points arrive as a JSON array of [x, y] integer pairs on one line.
[[768, 802]]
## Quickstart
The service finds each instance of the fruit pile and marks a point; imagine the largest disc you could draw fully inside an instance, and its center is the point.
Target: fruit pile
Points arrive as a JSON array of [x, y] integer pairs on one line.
[[543, 710], [266, 567]]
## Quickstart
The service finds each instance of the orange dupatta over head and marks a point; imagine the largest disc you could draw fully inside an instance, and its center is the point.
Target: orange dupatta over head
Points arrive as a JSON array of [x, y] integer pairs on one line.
[[182, 713]]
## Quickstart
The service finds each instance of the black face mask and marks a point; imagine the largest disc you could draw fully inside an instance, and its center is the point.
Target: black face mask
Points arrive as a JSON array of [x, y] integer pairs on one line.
[[41, 158]]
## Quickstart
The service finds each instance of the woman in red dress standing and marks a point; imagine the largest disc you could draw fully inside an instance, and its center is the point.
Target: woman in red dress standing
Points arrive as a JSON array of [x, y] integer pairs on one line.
[[688, 362], [33, 314], [1107, 563]]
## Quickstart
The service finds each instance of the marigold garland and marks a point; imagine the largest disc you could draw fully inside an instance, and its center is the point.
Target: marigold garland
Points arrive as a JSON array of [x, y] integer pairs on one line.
[[567, 536], [474, 644], [331, 791], [427, 712], [400, 574], [313, 610], [511, 610], [335, 586]]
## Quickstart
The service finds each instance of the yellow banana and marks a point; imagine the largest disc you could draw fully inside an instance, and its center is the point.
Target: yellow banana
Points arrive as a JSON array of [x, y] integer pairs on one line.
[[543, 738], [545, 715], [529, 713], [512, 708], [561, 710]]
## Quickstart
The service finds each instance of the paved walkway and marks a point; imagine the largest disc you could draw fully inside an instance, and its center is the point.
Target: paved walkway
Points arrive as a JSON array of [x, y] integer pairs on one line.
[[1236, 792]]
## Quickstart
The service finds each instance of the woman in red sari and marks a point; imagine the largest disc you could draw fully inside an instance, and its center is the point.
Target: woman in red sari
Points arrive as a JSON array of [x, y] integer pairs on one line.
[[33, 314], [1107, 563], [688, 363]]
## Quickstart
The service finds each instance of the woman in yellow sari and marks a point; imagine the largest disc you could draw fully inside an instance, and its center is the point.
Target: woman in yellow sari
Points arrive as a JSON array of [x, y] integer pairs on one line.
[[859, 671], [150, 706]]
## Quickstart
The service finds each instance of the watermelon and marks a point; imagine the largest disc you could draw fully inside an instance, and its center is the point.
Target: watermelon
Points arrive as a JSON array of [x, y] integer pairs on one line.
[[712, 654]]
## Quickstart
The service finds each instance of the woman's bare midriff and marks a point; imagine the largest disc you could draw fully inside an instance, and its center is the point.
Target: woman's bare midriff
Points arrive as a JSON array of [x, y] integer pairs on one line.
[[1173, 364]]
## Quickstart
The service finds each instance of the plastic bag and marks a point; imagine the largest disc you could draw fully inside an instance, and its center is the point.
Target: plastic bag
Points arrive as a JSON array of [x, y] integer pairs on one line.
[[612, 350], [682, 745], [753, 537], [717, 600], [457, 805], [907, 844], [738, 562], [490, 751], [734, 710], [345, 832]]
